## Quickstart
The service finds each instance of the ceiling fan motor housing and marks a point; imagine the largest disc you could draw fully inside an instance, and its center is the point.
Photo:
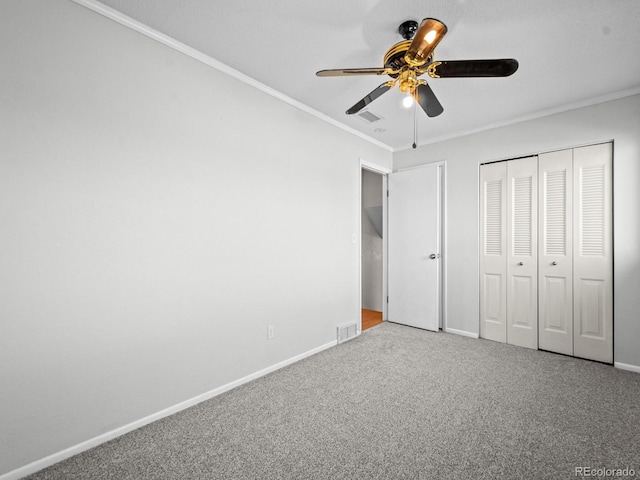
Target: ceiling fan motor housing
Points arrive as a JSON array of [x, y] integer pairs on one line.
[[395, 57]]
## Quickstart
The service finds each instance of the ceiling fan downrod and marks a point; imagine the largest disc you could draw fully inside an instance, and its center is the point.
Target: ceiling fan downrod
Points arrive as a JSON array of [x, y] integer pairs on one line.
[[408, 29]]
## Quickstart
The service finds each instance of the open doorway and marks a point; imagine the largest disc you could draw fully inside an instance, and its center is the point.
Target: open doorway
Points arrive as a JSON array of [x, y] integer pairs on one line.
[[373, 255], [418, 227]]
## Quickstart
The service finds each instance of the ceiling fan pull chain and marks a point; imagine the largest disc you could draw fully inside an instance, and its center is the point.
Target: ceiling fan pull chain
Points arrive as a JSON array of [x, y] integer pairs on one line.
[[415, 124]]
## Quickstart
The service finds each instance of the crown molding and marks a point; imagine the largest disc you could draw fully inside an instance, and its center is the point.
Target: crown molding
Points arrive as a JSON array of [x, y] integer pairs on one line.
[[532, 116], [147, 31]]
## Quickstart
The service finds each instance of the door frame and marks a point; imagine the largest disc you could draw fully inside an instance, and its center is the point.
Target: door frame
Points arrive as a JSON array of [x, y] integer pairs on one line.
[[363, 164], [384, 172]]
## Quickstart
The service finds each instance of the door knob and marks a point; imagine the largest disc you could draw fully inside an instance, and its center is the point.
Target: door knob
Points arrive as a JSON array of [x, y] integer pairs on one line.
[[521, 263], [432, 256], [554, 263]]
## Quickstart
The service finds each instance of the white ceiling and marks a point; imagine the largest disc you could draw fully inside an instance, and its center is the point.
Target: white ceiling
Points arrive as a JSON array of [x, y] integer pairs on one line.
[[571, 53]]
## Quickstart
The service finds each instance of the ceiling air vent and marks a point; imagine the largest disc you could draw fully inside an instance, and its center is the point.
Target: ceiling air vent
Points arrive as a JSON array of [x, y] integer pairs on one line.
[[369, 117]]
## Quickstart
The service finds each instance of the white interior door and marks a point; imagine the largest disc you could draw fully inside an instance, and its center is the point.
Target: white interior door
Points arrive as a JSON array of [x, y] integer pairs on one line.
[[592, 254], [522, 252], [555, 270], [414, 247], [493, 251]]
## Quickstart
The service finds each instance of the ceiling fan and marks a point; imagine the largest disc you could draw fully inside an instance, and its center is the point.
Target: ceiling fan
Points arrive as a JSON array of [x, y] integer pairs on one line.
[[407, 60]]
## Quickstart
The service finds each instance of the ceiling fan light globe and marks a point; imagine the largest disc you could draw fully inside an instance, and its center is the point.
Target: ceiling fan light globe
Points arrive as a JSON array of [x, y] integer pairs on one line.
[[429, 34], [407, 101]]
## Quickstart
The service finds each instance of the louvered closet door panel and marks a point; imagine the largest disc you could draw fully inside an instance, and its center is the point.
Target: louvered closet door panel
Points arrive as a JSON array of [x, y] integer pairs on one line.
[[493, 191], [522, 252], [593, 287], [555, 261]]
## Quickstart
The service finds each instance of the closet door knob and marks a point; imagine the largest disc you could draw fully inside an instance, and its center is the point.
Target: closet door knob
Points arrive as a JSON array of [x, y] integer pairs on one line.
[[554, 263], [521, 263], [432, 256]]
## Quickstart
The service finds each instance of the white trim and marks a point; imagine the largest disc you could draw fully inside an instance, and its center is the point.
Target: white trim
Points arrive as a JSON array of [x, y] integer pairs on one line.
[[359, 237], [530, 116], [105, 437], [440, 250], [444, 258], [374, 167], [538, 153], [463, 333], [385, 246], [384, 171], [627, 367], [413, 167], [170, 42]]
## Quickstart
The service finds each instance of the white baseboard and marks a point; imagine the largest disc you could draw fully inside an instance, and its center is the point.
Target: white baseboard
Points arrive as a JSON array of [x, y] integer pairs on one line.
[[626, 366], [105, 437], [464, 333]]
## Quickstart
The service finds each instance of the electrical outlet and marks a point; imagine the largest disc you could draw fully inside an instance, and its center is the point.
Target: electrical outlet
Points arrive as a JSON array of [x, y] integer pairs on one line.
[[270, 332]]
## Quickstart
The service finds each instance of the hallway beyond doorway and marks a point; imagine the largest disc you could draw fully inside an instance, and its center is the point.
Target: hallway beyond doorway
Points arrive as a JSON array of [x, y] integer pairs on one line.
[[370, 318]]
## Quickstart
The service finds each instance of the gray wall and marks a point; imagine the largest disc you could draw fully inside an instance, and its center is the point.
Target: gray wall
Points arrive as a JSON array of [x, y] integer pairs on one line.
[[155, 216], [617, 120], [371, 242]]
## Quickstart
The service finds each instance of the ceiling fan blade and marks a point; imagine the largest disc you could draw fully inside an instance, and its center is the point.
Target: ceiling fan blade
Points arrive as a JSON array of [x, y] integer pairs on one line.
[[370, 98], [502, 67], [424, 41], [428, 100], [345, 72]]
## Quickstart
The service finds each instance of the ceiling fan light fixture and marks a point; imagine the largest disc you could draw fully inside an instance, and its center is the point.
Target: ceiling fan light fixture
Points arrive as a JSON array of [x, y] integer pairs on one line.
[[406, 61]]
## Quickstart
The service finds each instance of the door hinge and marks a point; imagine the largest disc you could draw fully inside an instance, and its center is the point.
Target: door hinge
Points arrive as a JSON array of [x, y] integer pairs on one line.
[[387, 298], [387, 193]]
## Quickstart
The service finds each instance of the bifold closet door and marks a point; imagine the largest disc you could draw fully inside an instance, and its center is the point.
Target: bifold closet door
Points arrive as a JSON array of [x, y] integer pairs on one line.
[[546, 275], [522, 252], [508, 246], [555, 271], [593, 256], [493, 243]]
